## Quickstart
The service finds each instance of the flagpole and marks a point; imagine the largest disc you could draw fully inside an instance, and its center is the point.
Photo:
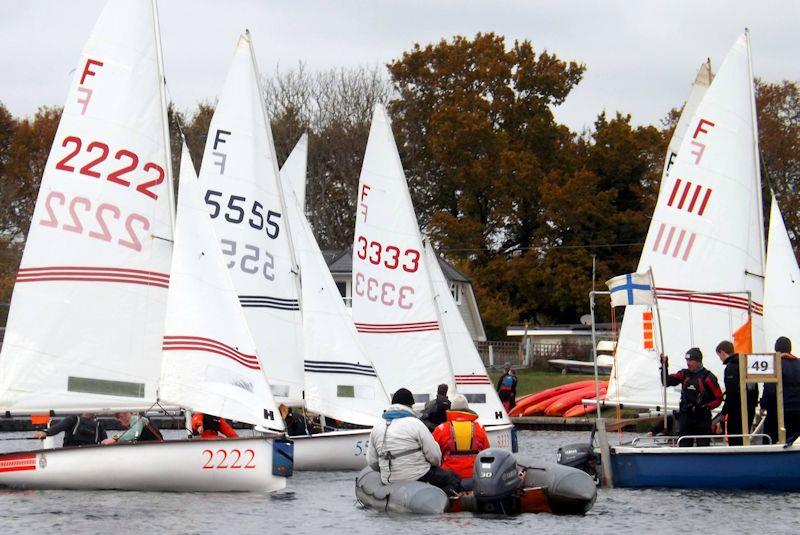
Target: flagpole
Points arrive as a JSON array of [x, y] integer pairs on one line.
[[661, 340]]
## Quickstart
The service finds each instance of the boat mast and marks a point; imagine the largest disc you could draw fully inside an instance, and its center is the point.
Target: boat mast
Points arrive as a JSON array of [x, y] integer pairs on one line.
[[756, 158], [162, 83]]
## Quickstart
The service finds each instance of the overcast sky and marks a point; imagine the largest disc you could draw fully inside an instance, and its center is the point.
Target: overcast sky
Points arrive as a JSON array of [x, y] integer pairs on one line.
[[641, 56]]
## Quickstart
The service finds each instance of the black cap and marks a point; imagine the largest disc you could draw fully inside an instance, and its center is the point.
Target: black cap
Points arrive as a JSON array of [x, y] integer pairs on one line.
[[783, 345], [694, 354], [403, 396]]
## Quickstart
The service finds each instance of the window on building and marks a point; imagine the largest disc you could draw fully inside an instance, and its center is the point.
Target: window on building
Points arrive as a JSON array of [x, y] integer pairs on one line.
[[456, 291], [342, 286]]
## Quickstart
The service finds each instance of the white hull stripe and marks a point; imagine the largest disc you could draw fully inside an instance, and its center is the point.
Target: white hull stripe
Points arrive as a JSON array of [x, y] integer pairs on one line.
[[391, 328], [197, 343], [93, 274], [319, 366]]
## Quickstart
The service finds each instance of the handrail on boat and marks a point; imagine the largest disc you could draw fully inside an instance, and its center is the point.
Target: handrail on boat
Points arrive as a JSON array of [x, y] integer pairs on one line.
[[663, 440]]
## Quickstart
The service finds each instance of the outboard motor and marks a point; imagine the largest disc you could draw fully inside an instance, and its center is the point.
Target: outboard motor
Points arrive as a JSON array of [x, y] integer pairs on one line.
[[496, 482], [581, 456]]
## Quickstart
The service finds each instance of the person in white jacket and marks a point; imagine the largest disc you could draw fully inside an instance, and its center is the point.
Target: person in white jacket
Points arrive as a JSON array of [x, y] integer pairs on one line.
[[402, 448]]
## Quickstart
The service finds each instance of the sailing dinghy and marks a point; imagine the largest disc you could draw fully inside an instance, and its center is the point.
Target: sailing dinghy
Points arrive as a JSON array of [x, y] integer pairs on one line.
[[400, 295], [256, 228], [340, 381], [707, 231], [90, 302]]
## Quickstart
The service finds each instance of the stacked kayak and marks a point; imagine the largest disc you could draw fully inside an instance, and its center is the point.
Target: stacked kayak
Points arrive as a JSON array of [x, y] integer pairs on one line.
[[562, 400]]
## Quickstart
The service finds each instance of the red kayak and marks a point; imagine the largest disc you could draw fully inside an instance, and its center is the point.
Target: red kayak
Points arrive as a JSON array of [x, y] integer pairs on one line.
[[531, 399], [583, 410], [541, 406], [563, 403]]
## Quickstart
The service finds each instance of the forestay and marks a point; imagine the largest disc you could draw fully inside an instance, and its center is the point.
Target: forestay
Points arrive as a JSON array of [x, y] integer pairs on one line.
[[705, 236], [239, 177], [393, 306], [471, 378], [340, 380], [210, 361], [781, 284], [87, 314]]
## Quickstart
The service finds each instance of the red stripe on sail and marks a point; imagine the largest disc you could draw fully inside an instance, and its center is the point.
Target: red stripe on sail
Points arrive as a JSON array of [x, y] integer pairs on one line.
[[678, 244], [658, 238], [697, 189], [78, 278], [172, 341], [674, 192], [386, 328], [705, 202], [689, 246], [685, 193], [723, 300], [669, 239], [93, 274], [153, 274]]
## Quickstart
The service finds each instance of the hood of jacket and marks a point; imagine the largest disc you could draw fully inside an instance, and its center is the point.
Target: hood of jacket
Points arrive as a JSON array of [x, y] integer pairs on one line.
[[398, 410]]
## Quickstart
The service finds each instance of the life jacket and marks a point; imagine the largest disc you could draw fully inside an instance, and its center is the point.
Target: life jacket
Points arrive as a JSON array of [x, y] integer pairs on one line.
[[694, 389], [506, 383], [462, 438], [83, 433]]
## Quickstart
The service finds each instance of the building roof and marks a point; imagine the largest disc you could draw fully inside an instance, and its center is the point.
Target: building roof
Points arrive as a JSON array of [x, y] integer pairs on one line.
[[342, 262]]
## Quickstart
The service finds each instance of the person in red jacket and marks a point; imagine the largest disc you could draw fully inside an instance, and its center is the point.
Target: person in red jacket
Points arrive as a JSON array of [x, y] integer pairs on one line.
[[208, 427], [460, 438]]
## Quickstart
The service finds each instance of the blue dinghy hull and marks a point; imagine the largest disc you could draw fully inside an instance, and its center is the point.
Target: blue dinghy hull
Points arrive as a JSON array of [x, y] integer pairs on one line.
[[771, 467]]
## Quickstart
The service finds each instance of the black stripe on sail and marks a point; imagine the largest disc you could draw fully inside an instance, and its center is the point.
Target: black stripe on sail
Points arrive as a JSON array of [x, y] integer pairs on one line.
[[265, 301], [339, 363], [346, 372], [317, 366]]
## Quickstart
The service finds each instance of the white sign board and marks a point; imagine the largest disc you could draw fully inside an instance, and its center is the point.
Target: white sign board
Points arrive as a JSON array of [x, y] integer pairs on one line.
[[763, 364]]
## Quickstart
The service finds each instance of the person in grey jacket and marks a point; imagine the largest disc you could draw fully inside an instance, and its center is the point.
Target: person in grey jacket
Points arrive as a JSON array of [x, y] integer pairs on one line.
[[402, 448]]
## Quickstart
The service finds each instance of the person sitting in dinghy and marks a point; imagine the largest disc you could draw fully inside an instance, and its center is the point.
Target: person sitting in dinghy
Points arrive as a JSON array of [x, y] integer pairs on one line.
[[700, 393], [435, 411], [138, 429], [790, 372], [209, 427], [402, 449], [79, 430], [461, 438]]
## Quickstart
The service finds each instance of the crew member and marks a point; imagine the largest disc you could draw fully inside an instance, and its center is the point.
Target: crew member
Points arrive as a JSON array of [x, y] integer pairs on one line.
[[732, 408], [460, 438], [507, 387], [700, 393], [207, 427], [435, 411], [79, 430], [296, 425], [402, 448], [138, 429], [790, 373]]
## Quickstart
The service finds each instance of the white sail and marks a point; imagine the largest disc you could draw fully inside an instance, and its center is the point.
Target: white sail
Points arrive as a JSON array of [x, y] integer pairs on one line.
[[393, 306], [87, 314], [239, 177], [471, 378], [210, 361], [294, 169], [699, 87], [705, 236], [781, 284], [340, 380]]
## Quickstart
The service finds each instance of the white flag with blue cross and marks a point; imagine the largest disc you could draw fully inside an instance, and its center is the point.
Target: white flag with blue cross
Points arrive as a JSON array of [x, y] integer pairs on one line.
[[631, 289]]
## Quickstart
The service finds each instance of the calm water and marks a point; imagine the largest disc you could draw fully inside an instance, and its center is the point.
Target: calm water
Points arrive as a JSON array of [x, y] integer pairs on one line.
[[318, 502]]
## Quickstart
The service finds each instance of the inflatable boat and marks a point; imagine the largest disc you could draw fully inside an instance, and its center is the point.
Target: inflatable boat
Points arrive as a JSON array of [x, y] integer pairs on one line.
[[502, 484]]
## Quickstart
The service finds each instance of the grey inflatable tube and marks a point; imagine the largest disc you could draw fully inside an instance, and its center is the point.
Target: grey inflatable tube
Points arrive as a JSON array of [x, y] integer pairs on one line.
[[569, 490]]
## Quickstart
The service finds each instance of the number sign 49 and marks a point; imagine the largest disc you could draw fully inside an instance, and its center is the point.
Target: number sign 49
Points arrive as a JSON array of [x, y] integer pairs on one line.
[[763, 364]]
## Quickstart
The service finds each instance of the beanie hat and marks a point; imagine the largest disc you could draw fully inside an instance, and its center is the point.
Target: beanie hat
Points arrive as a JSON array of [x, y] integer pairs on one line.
[[459, 403], [403, 396], [694, 354]]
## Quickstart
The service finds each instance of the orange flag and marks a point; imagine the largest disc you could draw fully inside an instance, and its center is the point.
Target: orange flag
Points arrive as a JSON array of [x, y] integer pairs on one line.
[[743, 338]]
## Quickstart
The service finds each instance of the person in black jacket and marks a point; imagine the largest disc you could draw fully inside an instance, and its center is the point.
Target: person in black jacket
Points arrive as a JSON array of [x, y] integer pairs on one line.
[[700, 393], [435, 411], [79, 430], [507, 387], [732, 408], [790, 372]]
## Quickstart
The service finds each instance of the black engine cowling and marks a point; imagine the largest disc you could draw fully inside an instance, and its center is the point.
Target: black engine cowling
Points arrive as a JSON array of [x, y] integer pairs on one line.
[[581, 456], [496, 481]]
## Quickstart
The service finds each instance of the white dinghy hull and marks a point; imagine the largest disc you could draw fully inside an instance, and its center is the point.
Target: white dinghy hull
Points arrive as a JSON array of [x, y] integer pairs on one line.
[[239, 464], [501, 436], [337, 450]]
